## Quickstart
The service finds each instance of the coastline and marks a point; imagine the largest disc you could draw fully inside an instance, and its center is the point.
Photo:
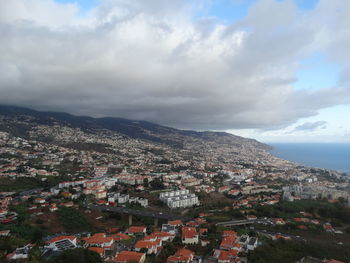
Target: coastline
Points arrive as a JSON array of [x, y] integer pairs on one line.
[[330, 156]]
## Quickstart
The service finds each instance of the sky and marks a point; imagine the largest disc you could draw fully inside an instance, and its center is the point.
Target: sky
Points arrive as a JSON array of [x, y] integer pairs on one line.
[[273, 70]]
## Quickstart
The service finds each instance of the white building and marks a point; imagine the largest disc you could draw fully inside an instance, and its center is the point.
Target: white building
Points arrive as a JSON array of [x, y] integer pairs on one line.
[[252, 244], [179, 199], [125, 198]]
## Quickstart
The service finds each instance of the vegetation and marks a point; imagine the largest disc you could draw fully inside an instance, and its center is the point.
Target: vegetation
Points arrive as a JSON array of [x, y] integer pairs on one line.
[[291, 251], [73, 220], [8, 244], [26, 183], [157, 184], [78, 255], [168, 250], [19, 184], [317, 207], [22, 228]]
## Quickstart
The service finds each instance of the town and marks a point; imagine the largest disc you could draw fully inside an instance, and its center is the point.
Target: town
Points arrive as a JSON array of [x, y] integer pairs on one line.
[[64, 190]]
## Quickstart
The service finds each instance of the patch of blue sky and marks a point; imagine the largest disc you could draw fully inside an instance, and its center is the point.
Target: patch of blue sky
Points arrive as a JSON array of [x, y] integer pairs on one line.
[[337, 115], [84, 5], [306, 4], [229, 11], [317, 72]]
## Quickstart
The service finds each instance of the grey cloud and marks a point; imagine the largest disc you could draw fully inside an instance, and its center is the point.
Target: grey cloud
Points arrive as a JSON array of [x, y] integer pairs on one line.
[[311, 126], [135, 61]]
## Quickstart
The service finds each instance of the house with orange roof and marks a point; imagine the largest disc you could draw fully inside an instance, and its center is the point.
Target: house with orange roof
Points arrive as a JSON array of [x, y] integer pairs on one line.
[[153, 247], [189, 235], [227, 256], [60, 243], [227, 242], [164, 236], [99, 240], [130, 257], [175, 223], [136, 230], [181, 256], [73, 239]]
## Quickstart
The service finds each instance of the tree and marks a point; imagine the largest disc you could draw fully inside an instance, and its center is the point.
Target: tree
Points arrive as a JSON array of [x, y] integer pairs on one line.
[[35, 255], [78, 255], [157, 183], [145, 182]]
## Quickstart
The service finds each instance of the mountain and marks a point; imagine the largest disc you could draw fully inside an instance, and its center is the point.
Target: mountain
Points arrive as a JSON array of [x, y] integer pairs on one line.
[[135, 129], [124, 137]]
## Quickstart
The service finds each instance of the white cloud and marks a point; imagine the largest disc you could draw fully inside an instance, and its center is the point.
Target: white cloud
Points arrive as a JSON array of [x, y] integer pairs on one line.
[[154, 61]]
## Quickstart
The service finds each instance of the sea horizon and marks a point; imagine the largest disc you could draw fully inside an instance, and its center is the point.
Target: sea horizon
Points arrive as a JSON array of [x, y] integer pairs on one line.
[[327, 155]]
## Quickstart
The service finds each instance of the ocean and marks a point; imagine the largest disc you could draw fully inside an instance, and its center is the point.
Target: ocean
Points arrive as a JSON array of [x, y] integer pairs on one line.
[[335, 156]]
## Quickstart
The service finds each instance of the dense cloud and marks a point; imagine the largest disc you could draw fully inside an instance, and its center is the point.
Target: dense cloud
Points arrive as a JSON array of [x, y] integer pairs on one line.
[[155, 60]]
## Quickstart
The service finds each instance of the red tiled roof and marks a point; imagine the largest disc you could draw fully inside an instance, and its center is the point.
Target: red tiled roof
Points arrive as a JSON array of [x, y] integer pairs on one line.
[[136, 229], [147, 244], [128, 256], [182, 255], [228, 241], [189, 232], [158, 235], [55, 239], [227, 255], [99, 238]]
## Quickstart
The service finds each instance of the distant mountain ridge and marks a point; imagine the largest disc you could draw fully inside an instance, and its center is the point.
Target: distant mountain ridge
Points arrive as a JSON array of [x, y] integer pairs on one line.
[[134, 129]]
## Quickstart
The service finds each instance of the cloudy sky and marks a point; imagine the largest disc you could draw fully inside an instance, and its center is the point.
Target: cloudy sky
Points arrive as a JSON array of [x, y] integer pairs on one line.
[[275, 70]]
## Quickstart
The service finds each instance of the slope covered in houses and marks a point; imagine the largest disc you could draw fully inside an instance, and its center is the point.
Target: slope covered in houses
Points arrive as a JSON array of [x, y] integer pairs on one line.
[[131, 191]]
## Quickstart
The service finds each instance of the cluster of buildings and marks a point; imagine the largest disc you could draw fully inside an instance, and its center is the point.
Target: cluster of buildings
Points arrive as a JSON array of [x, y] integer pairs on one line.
[[179, 199], [118, 198], [124, 171], [314, 191], [132, 245]]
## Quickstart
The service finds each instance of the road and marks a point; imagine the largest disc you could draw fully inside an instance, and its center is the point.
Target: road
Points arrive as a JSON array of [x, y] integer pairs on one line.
[[237, 222]]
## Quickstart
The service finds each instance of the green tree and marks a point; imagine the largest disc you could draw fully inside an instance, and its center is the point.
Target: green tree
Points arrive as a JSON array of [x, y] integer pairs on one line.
[[78, 255], [157, 184]]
